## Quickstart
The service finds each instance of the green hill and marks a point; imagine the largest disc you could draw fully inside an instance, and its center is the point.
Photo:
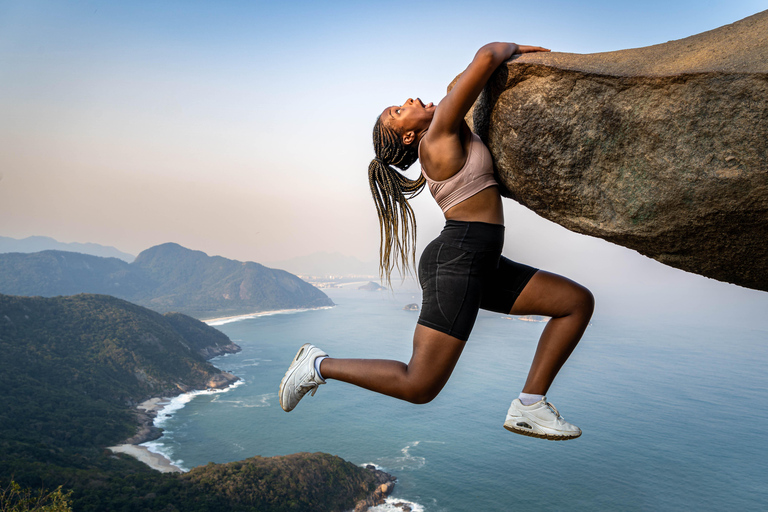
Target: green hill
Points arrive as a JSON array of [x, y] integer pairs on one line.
[[71, 370], [71, 365], [164, 278]]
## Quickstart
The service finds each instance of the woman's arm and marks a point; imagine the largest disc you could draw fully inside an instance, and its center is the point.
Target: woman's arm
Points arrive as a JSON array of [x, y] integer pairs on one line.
[[451, 111], [443, 153]]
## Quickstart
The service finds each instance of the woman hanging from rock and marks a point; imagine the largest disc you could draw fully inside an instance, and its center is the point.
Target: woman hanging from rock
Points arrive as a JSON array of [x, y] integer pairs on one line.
[[462, 270]]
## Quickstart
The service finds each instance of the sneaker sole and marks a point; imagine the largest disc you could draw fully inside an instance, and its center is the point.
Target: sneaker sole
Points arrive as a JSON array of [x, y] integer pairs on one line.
[[549, 437], [289, 372]]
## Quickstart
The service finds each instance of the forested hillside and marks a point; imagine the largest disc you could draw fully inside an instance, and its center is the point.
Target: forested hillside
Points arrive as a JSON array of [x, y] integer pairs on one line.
[[164, 278], [71, 369]]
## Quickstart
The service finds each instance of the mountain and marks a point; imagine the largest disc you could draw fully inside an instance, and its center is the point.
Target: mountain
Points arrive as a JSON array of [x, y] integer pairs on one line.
[[191, 281], [46, 243], [327, 264], [72, 368], [164, 278], [71, 365], [51, 273]]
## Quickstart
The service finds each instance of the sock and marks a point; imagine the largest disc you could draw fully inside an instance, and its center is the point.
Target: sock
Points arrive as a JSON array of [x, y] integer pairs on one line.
[[319, 360], [528, 399]]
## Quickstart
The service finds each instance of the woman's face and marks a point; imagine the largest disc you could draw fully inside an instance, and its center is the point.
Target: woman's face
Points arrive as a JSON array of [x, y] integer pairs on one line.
[[413, 115]]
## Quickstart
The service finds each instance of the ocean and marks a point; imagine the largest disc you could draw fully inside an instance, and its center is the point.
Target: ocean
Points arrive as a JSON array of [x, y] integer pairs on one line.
[[674, 413]]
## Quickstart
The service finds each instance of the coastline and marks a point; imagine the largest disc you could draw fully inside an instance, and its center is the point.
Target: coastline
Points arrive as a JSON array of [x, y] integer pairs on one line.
[[236, 318], [148, 431], [154, 460], [151, 414]]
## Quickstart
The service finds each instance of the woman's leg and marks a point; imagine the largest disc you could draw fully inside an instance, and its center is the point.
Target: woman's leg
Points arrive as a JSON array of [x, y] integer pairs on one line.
[[434, 356], [570, 305]]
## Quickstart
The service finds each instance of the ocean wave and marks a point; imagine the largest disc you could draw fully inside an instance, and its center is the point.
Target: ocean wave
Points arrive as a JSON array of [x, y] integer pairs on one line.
[[164, 451], [174, 404], [391, 505], [264, 400], [246, 363], [405, 461], [216, 400], [260, 401], [178, 402]]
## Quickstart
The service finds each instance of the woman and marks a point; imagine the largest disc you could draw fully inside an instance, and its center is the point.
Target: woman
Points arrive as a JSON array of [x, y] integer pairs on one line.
[[460, 271]]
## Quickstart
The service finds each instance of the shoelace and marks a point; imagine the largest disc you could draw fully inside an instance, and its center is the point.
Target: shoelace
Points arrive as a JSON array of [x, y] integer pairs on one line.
[[554, 409], [306, 386]]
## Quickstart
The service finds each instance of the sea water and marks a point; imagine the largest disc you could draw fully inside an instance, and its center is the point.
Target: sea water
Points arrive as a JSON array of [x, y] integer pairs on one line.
[[674, 415]]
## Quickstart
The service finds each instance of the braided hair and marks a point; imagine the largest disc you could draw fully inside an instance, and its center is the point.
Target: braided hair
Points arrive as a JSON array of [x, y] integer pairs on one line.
[[391, 191]]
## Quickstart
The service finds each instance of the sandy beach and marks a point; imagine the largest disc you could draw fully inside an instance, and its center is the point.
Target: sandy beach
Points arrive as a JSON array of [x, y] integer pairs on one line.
[[142, 453], [150, 409], [153, 404], [235, 318], [151, 459]]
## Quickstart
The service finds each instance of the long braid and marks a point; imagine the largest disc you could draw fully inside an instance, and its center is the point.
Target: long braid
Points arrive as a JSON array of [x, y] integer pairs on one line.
[[391, 191]]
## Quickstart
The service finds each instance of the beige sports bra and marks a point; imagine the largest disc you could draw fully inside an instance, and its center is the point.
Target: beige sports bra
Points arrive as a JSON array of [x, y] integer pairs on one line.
[[476, 175]]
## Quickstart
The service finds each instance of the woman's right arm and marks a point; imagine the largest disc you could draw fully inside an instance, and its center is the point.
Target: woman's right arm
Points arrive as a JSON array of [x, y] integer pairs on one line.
[[451, 111]]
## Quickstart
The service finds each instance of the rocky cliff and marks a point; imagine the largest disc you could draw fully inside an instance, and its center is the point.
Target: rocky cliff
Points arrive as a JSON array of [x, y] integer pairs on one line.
[[662, 149]]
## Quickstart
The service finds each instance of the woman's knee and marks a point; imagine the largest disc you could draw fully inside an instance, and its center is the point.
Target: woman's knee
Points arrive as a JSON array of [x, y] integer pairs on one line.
[[583, 302], [422, 394]]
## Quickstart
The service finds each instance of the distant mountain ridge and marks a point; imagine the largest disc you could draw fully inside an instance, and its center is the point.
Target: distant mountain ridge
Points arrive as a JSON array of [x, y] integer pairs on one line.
[[46, 243], [164, 278]]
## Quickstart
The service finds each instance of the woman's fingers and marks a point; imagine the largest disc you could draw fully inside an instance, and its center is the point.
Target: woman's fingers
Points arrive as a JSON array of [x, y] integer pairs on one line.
[[531, 49]]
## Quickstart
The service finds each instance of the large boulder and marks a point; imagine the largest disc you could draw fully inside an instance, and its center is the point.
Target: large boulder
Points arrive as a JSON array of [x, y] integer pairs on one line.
[[662, 149]]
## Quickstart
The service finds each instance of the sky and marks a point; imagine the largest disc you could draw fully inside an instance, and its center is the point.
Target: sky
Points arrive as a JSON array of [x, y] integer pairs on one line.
[[243, 129]]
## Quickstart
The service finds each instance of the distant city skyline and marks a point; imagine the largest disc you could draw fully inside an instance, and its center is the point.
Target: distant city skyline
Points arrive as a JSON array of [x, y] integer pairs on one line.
[[242, 129]]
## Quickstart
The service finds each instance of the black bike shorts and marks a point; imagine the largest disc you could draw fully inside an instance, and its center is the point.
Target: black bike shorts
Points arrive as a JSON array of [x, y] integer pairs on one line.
[[461, 271]]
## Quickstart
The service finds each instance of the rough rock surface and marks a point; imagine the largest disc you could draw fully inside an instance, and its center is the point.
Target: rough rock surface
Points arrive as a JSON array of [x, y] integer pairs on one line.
[[662, 149], [222, 380], [379, 495]]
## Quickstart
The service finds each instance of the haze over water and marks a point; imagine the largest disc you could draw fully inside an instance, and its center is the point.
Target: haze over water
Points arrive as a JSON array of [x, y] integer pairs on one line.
[[673, 413]]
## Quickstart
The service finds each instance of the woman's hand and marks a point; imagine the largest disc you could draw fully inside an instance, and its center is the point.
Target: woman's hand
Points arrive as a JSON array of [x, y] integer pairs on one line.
[[530, 49]]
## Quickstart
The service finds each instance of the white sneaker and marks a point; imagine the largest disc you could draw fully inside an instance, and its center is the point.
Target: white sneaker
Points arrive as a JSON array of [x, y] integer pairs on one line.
[[300, 377], [539, 420]]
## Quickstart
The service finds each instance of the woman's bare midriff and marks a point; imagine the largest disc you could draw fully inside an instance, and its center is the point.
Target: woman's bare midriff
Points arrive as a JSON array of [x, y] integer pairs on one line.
[[485, 206]]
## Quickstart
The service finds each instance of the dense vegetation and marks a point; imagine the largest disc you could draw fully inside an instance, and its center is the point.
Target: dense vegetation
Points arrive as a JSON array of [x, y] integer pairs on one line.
[[72, 367], [164, 278], [297, 482], [15, 498]]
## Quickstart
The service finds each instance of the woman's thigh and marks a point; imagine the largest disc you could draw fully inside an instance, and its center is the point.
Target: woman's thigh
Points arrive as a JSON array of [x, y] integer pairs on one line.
[[434, 357], [552, 295]]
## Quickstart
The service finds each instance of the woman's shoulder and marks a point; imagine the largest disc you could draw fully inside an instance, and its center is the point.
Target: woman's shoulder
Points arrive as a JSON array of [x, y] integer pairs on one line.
[[441, 156]]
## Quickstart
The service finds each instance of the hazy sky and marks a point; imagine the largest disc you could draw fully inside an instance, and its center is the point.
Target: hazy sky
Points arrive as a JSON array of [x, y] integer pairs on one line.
[[243, 128]]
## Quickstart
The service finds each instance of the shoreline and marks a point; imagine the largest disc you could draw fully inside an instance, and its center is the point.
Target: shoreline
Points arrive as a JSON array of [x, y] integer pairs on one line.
[[154, 460], [236, 318], [148, 412]]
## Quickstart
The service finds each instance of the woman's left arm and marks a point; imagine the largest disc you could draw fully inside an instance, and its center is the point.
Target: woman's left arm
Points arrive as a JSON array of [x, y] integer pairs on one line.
[[452, 109]]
